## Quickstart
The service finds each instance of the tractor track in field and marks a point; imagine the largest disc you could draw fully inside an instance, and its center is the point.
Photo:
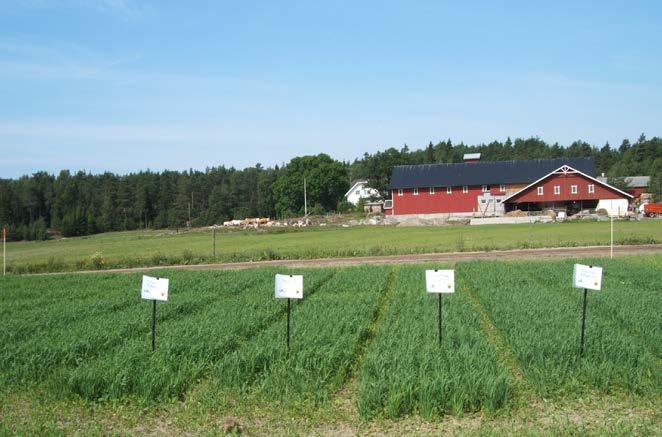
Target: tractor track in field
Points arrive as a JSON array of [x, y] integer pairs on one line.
[[446, 257], [346, 395], [524, 391]]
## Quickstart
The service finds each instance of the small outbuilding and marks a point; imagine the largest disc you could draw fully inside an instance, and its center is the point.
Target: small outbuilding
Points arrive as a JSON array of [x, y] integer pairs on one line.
[[360, 190], [634, 185]]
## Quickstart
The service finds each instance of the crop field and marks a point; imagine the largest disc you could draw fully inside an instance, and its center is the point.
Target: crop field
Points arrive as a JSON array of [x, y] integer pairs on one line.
[[537, 314], [364, 356], [406, 371], [164, 247]]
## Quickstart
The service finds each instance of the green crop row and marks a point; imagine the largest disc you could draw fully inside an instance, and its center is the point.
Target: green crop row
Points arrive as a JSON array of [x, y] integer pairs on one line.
[[187, 347], [328, 329], [70, 332], [407, 371]]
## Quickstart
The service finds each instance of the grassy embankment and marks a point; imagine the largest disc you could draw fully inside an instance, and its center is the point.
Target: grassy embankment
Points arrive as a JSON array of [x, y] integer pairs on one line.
[[153, 248]]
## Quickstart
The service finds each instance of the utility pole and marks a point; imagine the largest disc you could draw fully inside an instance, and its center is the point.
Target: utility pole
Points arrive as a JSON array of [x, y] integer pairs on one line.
[[305, 199], [611, 244], [4, 251], [213, 239]]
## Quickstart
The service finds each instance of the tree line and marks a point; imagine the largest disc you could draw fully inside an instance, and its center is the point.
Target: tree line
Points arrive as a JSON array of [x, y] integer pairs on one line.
[[82, 203]]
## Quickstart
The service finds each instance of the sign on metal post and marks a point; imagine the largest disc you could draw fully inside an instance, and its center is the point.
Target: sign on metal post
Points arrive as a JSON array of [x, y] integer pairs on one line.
[[440, 282], [154, 289], [289, 287], [588, 278]]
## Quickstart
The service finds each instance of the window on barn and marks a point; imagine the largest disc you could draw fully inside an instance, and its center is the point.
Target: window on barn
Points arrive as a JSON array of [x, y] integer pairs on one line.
[[573, 189], [591, 188], [541, 191], [358, 191], [486, 188], [415, 191], [465, 189], [502, 188], [557, 189], [399, 191], [431, 190], [449, 190]]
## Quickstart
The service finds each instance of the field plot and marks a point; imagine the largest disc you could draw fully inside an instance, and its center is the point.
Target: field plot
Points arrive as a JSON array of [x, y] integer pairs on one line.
[[406, 371], [537, 312], [101, 349], [190, 345], [328, 330]]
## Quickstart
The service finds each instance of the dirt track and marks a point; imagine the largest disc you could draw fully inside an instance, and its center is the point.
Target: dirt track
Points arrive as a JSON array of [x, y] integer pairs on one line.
[[448, 257]]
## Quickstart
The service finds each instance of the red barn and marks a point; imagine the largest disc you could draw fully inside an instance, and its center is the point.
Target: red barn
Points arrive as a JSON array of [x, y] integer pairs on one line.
[[493, 188]]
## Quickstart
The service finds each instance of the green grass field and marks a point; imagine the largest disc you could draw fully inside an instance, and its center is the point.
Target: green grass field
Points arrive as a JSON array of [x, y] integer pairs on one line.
[[364, 356], [153, 248]]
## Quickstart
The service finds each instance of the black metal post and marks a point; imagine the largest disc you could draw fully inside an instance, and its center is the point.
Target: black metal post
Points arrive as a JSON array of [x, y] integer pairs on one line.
[[153, 325], [439, 319], [581, 337], [288, 324]]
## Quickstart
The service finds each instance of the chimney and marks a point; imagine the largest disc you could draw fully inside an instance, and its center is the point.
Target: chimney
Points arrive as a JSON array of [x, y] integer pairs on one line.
[[471, 158]]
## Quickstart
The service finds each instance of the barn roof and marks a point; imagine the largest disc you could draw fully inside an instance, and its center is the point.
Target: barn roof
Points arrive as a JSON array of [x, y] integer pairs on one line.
[[482, 173]]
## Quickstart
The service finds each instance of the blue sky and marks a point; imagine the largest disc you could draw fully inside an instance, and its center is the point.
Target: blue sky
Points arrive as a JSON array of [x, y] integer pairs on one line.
[[125, 85]]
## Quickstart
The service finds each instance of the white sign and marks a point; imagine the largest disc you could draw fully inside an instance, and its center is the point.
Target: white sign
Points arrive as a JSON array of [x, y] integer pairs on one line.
[[440, 281], [289, 286], [587, 277], [154, 288]]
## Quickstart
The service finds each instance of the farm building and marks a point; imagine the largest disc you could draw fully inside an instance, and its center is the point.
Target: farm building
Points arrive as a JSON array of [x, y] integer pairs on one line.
[[360, 190], [635, 185], [494, 188]]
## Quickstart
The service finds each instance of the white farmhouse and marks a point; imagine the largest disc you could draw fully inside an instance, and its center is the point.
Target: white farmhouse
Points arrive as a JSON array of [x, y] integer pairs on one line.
[[360, 190]]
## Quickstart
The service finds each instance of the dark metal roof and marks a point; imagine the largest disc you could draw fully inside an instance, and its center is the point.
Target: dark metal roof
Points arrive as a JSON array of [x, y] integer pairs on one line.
[[483, 173]]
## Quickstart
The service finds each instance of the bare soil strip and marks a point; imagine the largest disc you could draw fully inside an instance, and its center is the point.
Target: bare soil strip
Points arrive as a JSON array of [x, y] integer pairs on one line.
[[446, 257]]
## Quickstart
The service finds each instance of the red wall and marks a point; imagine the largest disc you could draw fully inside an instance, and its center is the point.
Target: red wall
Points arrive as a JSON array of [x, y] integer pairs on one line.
[[457, 201], [439, 202], [565, 181]]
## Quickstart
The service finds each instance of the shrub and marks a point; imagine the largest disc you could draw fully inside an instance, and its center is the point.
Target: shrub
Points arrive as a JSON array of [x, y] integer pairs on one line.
[[158, 258], [98, 261]]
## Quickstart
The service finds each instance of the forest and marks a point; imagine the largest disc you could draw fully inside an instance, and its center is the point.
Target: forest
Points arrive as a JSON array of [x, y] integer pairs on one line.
[[82, 203]]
